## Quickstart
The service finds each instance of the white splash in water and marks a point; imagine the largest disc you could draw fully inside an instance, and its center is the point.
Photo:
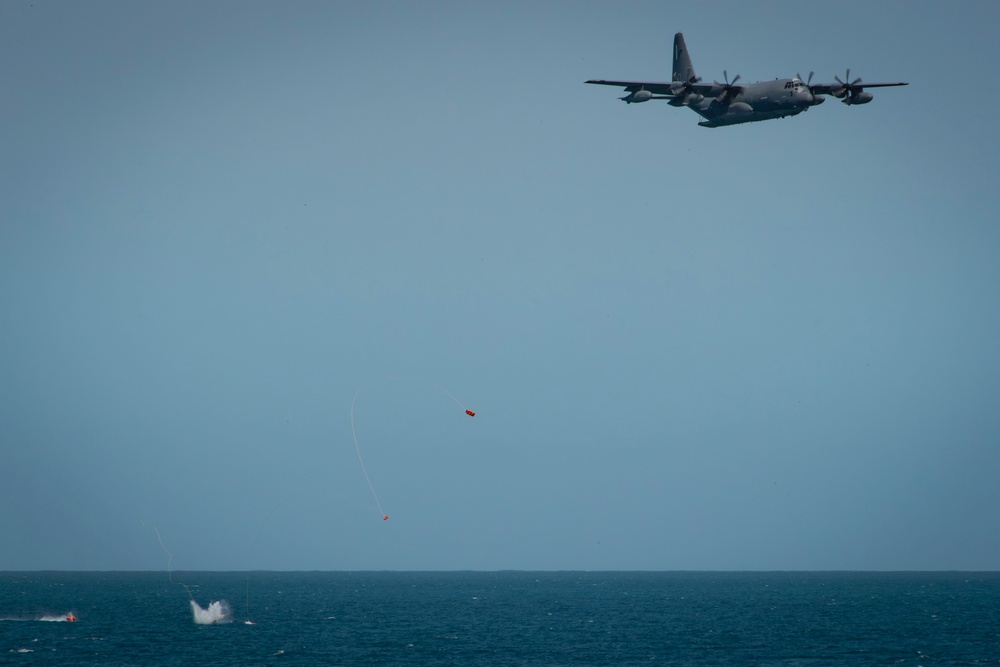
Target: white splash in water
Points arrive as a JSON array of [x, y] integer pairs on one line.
[[217, 612]]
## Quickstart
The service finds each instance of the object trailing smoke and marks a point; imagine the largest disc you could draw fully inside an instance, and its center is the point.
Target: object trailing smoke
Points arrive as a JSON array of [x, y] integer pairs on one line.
[[55, 618], [217, 612]]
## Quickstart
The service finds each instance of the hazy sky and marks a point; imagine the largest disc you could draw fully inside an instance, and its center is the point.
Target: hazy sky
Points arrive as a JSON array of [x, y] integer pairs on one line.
[[768, 346]]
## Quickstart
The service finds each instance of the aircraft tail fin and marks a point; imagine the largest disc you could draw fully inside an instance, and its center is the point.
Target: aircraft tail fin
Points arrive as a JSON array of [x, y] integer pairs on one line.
[[683, 70]]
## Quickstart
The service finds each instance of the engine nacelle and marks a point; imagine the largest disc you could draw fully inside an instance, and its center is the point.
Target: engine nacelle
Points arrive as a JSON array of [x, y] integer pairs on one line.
[[858, 98], [684, 100], [638, 96]]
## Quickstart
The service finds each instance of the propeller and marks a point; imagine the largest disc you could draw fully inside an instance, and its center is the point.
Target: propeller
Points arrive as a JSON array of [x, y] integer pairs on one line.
[[846, 88], [679, 87], [729, 88], [816, 99], [683, 95]]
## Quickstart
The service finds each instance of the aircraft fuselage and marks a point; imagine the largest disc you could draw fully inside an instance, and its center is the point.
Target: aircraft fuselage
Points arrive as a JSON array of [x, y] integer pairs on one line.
[[754, 102]]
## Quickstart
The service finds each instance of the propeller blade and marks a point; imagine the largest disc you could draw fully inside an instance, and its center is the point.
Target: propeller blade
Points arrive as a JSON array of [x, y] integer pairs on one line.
[[727, 90]]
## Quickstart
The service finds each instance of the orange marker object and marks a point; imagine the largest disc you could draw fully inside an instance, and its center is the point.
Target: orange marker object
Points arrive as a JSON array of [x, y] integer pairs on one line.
[[470, 413], [385, 518]]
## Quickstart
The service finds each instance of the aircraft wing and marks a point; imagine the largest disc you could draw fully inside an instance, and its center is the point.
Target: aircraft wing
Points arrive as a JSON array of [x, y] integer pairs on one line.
[[667, 88], [656, 88], [834, 88]]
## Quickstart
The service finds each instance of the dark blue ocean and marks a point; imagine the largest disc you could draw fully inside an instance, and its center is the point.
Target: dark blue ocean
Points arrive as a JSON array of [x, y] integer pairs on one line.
[[500, 618]]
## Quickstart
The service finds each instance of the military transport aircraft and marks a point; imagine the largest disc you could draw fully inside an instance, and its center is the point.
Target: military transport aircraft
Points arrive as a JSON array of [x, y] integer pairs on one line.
[[730, 104]]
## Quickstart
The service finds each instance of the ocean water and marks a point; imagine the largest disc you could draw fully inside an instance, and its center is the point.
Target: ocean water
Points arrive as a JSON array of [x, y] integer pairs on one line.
[[499, 618]]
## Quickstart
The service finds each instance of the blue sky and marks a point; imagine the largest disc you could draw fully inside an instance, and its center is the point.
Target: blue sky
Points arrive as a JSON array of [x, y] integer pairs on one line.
[[769, 346]]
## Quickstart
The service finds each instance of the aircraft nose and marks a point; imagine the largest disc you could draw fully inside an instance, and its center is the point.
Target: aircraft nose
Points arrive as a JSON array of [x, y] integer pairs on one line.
[[806, 97]]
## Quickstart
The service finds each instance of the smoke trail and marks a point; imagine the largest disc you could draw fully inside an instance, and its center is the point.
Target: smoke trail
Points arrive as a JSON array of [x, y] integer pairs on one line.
[[357, 447], [170, 558], [253, 548]]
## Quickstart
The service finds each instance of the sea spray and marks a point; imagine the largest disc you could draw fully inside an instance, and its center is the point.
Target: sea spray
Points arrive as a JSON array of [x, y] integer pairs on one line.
[[217, 612], [54, 618], [58, 618]]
